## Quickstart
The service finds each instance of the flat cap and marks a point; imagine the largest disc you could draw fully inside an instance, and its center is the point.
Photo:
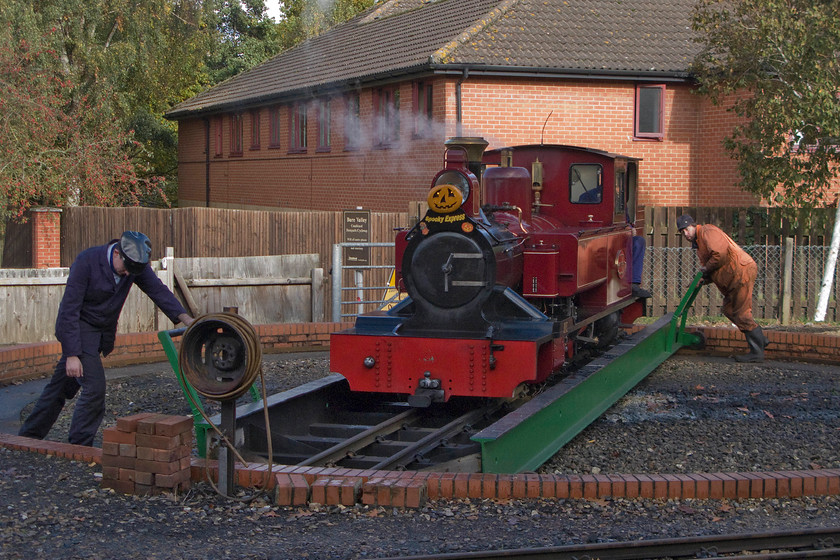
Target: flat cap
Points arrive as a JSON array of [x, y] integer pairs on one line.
[[684, 221]]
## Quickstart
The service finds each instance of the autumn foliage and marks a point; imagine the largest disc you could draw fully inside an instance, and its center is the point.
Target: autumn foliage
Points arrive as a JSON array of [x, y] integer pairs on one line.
[[56, 147]]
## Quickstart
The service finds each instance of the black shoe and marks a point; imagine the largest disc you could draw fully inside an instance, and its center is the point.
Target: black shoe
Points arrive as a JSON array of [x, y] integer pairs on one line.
[[638, 292], [756, 344]]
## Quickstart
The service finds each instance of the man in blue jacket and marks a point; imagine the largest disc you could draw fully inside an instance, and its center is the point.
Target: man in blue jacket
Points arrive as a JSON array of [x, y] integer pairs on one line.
[[97, 287]]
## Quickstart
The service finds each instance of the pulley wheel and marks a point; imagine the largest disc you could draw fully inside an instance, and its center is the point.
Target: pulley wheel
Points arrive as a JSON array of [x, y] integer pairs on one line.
[[220, 355]]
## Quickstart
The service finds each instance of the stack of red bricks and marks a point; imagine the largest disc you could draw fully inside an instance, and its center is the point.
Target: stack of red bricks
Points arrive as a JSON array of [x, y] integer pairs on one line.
[[147, 454]]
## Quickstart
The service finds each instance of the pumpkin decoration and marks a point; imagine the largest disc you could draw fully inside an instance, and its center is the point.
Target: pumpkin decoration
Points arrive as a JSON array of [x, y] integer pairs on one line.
[[445, 199]]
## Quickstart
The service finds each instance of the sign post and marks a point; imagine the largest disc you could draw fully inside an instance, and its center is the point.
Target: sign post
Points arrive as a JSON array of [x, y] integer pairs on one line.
[[357, 230]]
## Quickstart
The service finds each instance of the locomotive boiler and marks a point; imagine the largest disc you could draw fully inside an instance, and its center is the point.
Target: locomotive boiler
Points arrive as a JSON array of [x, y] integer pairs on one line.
[[507, 279]]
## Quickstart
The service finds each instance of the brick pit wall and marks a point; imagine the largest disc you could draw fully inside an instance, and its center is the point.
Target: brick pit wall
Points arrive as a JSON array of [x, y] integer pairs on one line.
[[30, 361], [151, 453]]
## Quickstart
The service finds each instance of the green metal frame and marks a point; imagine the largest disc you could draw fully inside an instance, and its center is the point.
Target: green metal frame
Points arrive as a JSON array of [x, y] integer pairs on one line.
[[192, 396], [524, 440]]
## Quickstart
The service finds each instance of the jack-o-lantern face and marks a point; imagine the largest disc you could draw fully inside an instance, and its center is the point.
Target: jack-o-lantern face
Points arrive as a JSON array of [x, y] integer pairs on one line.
[[445, 199]]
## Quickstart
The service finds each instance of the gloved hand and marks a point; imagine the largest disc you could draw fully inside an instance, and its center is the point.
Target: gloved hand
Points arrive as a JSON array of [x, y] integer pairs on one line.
[[707, 276]]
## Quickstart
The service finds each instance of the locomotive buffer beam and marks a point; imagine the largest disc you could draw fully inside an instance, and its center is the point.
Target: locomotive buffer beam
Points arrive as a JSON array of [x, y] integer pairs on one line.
[[526, 438]]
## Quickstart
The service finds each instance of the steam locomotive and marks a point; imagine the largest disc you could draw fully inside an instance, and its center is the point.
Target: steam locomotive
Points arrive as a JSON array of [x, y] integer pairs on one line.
[[507, 280]]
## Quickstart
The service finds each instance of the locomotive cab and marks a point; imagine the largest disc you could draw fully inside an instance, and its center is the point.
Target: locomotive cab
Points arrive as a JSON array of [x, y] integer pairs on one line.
[[571, 186], [578, 252]]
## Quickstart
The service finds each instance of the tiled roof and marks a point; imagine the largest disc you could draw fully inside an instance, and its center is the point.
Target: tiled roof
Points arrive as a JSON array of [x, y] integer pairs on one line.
[[399, 37]]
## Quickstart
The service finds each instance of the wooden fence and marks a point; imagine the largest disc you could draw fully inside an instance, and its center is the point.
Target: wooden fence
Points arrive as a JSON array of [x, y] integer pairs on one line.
[[746, 225], [214, 232], [266, 289], [783, 247]]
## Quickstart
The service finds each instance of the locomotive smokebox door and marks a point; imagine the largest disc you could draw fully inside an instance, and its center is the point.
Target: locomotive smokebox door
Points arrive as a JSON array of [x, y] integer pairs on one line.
[[451, 270]]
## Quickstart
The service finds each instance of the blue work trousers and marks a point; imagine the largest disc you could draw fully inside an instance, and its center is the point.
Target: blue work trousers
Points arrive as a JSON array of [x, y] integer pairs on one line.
[[638, 258], [90, 406]]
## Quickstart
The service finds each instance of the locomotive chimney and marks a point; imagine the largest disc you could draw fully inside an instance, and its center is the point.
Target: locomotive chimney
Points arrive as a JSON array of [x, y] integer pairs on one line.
[[474, 146]]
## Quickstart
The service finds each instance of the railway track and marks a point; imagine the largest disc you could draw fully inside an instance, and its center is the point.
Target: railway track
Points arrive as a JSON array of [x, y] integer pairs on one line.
[[323, 423], [807, 543]]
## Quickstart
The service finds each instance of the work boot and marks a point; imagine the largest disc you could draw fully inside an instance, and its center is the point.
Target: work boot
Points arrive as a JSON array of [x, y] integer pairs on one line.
[[756, 342], [638, 292], [767, 341]]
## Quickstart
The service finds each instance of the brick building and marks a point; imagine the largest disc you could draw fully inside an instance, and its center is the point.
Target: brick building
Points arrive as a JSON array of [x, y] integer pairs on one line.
[[358, 115]]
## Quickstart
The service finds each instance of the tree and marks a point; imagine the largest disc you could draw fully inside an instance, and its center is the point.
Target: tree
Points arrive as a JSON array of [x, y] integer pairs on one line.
[[302, 19], [53, 156], [122, 64], [84, 85], [778, 60], [246, 37]]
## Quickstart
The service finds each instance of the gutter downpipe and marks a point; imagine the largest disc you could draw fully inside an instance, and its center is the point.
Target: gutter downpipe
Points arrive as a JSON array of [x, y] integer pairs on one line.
[[458, 101], [207, 162]]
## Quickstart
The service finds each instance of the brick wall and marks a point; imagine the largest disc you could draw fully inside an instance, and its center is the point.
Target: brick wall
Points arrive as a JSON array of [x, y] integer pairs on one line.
[[46, 237], [30, 361], [687, 167], [148, 454]]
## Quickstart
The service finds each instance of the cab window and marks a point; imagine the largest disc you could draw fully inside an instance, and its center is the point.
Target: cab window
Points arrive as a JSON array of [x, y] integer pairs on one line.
[[620, 201], [585, 183]]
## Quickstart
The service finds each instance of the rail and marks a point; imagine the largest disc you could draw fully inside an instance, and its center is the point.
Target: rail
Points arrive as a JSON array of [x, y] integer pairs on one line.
[[806, 543]]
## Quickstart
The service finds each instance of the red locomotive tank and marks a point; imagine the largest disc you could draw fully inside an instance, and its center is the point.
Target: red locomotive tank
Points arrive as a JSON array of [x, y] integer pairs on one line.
[[506, 280]]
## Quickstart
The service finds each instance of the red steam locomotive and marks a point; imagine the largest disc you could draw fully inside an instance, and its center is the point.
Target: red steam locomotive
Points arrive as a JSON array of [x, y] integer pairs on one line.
[[507, 280]]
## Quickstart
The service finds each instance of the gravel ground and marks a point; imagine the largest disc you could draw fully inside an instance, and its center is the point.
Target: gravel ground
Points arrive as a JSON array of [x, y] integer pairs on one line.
[[690, 415]]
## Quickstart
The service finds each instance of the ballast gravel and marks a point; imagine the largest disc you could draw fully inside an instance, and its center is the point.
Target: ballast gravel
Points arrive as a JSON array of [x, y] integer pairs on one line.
[[693, 414]]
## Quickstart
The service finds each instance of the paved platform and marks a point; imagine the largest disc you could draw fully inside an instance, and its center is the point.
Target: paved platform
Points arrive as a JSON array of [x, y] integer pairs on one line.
[[13, 398]]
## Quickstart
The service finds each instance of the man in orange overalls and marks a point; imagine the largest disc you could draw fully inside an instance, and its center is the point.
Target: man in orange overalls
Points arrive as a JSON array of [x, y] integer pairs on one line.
[[733, 271]]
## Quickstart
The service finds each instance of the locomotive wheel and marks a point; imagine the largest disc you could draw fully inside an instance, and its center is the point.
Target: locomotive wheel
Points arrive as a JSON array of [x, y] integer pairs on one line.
[[606, 329], [220, 356]]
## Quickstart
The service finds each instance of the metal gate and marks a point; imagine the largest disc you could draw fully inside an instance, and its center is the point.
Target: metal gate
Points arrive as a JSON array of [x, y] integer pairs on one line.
[[361, 288]]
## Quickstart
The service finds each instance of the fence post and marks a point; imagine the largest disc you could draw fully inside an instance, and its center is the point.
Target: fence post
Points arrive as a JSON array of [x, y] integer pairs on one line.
[[317, 295], [359, 282], [46, 237], [787, 280], [335, 281], [167, 276]]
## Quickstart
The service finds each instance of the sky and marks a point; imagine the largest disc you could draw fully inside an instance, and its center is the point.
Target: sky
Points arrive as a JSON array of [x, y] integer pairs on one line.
[[273, 8]]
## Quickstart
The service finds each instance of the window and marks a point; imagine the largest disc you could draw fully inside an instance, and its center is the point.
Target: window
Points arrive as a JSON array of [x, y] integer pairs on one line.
[[585, 183], [386, 109], [255, 129], [218, 133], [422, 93], [324, 125], [297, 128], [274, 127], [650, 104], [236, 134], [620, 201], [352, 122]]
